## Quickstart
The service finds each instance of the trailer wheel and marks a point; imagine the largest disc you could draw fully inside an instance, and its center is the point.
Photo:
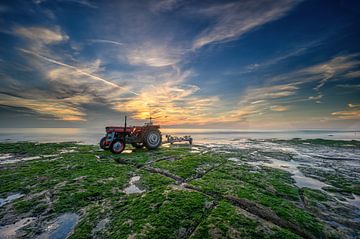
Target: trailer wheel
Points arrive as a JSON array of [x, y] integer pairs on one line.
[[152, 139], [117, 146], [102, 143], [138, 145]]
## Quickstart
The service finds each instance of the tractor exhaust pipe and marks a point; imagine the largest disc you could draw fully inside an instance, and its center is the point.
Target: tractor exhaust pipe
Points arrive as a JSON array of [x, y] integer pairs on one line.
[[125, 127]]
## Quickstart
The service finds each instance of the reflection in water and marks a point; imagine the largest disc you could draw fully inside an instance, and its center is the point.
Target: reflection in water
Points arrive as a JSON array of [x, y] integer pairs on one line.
[[10, 198], [292, 167], [132, 188], [10, 231], [62, 227]]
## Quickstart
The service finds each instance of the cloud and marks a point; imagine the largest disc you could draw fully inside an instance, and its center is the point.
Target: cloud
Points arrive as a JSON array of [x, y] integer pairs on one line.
[[347, 114], [317, 97], [351, 113], [298, 50], [354, 105], [232, 20], [279, 108], [86, 3], [106, 41], [41, 35], [257, 101], [164, 5], [80, 71], [154, 55], [353, 74], [351, 86], [170, 101], [335, 69], [60, 109], [263, 94]]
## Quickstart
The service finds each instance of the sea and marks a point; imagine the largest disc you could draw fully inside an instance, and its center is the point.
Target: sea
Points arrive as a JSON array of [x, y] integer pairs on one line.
[[201, 136]]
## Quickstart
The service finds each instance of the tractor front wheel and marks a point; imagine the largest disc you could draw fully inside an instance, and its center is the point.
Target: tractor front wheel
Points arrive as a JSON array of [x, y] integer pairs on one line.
[[138, 145], [117, 146], [152, 139], [102, 143]]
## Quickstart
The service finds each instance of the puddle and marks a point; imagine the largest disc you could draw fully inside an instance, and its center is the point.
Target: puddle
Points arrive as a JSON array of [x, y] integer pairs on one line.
[[10, 231], [195, 150], [5, 156], [69, 150], [62, 227], [291, 166], [15, 160], [50, 155], [10, 158], [355, 201], [100, 226], [10, 198], [234, 159], [290, 157], [132, 188]]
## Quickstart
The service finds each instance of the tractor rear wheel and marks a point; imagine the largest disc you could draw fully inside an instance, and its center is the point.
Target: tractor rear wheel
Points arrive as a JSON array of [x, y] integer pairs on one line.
[[152, 139], [102, 143], [117, 146], [137, 145]]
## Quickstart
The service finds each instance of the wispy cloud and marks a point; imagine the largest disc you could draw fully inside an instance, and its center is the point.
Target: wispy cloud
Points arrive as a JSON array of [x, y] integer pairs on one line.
[[354, 105], [106, 41], [278, 108], [353, 74], [164, 5], [59, 109], [349, 86], [349, 114], [41, 35], [335, 69], [259, 95], [94, 77], [86, 3], [235, 19], [154, 55]]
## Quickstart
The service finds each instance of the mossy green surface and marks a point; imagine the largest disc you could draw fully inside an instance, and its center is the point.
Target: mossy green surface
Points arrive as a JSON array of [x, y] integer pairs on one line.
[[334, 178], [237, 225], [191, 164], [324, 142], [162, 213], [270, 187], [90, 182]]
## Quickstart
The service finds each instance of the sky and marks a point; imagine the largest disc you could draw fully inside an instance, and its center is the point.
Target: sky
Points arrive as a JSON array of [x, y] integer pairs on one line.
[[281, 64]]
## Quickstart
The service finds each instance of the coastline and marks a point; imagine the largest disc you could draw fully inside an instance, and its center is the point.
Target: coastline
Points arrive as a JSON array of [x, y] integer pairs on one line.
[[255, 188]]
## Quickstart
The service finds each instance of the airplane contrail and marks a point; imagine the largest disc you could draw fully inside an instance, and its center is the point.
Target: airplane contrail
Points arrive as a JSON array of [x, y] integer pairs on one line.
[[78, 70], [106, 41]]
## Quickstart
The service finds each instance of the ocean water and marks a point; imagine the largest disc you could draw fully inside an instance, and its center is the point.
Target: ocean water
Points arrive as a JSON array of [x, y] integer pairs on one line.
[[92, 136]]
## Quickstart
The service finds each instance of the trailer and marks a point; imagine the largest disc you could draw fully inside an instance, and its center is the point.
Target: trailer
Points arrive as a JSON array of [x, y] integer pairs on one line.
[[173, 139]]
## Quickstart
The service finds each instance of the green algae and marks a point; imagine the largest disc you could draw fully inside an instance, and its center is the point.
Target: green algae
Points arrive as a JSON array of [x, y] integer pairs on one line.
[[85, 180], [324, 142], [237, 225], [269, 187], [334, 178], [162, 213], [190, 165]]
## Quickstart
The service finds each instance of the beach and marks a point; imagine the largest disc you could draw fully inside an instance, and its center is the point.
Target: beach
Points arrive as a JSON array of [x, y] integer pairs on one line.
[[233, 187]]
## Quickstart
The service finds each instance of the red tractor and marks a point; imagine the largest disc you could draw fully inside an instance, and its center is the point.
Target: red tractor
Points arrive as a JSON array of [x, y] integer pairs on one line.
[[116, 137]]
